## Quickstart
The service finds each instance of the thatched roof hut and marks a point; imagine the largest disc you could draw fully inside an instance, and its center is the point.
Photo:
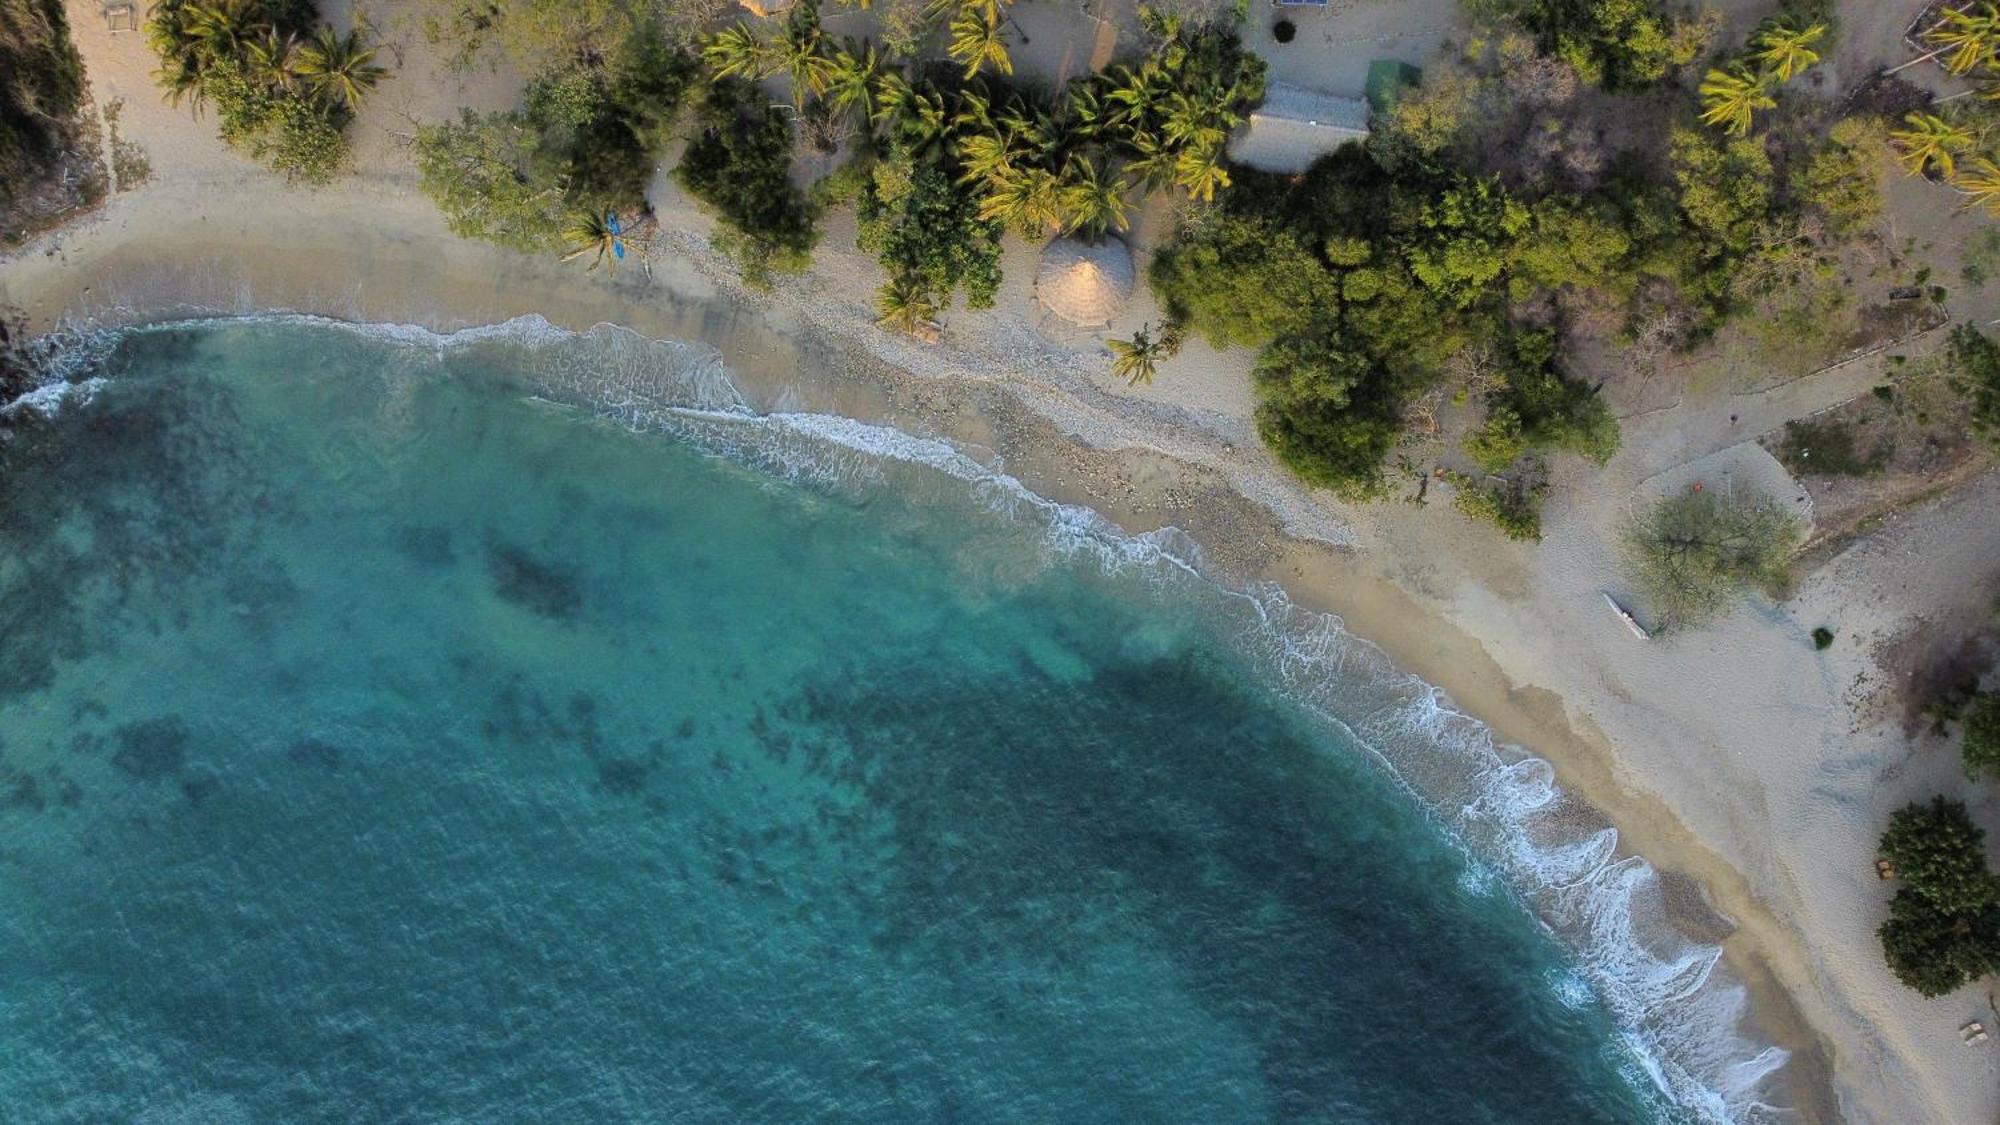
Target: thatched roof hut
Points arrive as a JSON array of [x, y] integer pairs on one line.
[[762, 8], [1085, 284]]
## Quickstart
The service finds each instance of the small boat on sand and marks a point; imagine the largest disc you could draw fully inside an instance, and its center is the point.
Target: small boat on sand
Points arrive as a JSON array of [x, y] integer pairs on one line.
[[1625, 615]]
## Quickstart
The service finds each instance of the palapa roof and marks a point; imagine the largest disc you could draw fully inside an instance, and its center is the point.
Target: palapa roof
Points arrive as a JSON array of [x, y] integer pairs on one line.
[[1084, 284]]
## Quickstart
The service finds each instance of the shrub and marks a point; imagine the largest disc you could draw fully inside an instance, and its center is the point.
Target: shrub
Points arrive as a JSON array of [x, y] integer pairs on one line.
[[1695, 550], [1822, 638], [587, 141], [1839, 179], [1498, 443], [488, 177], [1538, 407], [1513, 506], [1975, 362], [1622, 43], [1828, 448], [928, 231], [740, 165], [1326, 412], [612, 151], [1982, 733], [1283, 31], [284, 86], [1242, 279], [1944, 923]]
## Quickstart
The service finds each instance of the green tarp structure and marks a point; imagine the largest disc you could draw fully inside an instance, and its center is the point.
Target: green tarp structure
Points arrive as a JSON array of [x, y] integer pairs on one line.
[[1387, 79]]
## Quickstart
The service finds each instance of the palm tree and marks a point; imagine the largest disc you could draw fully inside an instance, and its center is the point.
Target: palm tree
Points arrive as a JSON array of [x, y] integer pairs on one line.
[[851, 83], [1086, 110], [976, 41], [593, 233], [739, 52], [1030, 198], [895, 101], [983, 156], [1729, 98], [1965, 37], [1154, 164], [1957, 30], [1200, 171], [1133, 94], [803, 57], [221, 27], [1980, 185], [1929, 142], [190, 39], [905, 304], [1042, 134], [1785, 48], [1196, 121], [1136, 360], [339, 68], [168, 34], [274, 61], [990, 10], [915, 118], [1092, 202]]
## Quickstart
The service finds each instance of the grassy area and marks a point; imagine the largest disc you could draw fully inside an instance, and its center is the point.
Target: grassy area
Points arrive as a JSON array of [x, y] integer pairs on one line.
[[1831, 447]]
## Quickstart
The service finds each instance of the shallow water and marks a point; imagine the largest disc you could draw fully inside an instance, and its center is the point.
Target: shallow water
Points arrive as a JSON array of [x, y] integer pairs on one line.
[[386, 734]]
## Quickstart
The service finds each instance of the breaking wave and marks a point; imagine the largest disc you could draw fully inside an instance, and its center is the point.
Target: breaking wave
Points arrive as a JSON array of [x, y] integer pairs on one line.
[[1683, 1014]]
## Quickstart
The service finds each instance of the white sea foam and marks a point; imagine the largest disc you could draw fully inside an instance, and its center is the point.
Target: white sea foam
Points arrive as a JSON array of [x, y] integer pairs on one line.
[[48, 399], [1682, 1013]]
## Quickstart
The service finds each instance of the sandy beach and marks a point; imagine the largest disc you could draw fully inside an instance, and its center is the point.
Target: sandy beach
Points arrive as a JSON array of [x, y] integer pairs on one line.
[[1737, 760]]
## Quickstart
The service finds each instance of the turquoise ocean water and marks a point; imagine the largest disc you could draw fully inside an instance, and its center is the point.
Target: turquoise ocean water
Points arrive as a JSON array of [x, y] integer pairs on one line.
[[509, 727]]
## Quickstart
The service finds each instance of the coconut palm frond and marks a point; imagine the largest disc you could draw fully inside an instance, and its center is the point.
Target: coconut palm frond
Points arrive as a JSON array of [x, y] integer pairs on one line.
[[1730, 98], [1930, 142]]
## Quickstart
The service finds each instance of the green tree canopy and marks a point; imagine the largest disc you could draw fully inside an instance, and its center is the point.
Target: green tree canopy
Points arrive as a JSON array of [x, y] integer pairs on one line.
[[1982, 733], [1693, 551], [1975, 366], [283, 85], [1326, 411], [1621, 43], [485, 174], [927, 231], [1944, 922], [1242, 279], [740, 164]]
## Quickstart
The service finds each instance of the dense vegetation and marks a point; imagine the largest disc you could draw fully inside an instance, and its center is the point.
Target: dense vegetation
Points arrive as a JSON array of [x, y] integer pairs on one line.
[[283, 85], [1619, 43], [41, 87], [1560, 183], [1944, 922], [1981, 748], [1489, 224], [740, 163], [1360, 283], [1975, 364], [943, 159], [584, 144]]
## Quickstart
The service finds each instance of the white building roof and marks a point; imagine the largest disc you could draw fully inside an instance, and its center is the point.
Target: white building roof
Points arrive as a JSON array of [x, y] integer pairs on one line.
[[1295, 127]]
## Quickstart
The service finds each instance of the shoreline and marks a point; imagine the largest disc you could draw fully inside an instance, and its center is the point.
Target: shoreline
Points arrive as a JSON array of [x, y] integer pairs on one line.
[[132, 267]]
